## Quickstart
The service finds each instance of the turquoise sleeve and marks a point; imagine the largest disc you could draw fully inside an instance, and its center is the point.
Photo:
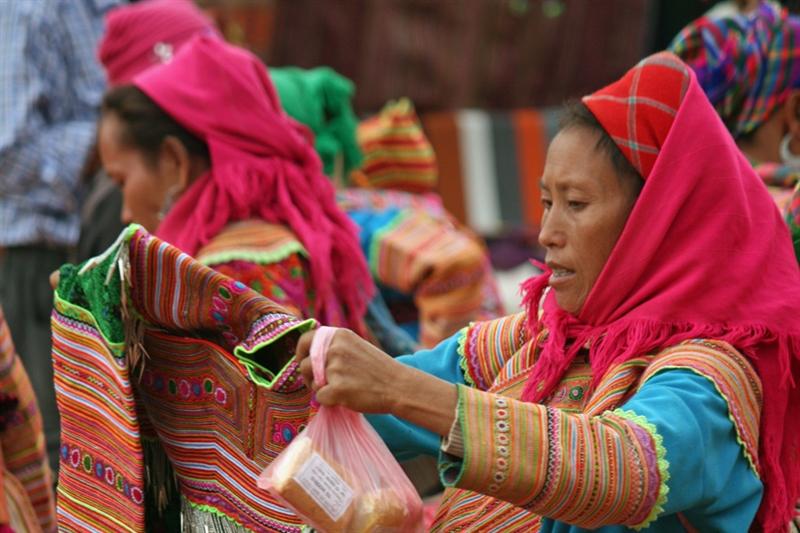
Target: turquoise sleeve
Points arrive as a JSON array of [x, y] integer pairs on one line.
[[404, 439]]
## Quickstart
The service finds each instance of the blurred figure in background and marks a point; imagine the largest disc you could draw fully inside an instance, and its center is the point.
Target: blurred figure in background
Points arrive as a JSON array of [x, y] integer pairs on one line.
[[51, 86], [749, 67], [137, 37], [27, 502]]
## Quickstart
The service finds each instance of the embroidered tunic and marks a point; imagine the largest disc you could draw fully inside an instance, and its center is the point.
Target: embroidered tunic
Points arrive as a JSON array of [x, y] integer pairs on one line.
[[665, 441]]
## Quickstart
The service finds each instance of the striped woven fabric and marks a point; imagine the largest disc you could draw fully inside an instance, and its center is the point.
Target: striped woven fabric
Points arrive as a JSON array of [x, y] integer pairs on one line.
[[490, 164], [253, 241], [24, 459], [397, 155], [516, 457], [218, 392]]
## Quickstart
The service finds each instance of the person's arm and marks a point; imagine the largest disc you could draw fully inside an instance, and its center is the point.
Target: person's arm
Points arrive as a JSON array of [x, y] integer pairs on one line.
[[672, 448], [53, 86]]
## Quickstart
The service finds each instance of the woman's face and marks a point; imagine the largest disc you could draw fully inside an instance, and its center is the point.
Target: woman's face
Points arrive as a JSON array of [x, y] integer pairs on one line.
[[145, 184], [585, 209]]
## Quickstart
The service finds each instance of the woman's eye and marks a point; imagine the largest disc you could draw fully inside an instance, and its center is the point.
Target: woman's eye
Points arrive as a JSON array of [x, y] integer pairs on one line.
[[576, 206], [547, 204]]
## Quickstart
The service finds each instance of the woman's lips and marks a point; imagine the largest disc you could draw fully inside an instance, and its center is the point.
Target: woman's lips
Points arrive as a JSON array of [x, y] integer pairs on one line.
[[559, 277]]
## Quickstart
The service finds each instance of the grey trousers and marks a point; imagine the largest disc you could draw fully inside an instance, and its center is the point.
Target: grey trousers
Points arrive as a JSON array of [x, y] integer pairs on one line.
[[27, 301]]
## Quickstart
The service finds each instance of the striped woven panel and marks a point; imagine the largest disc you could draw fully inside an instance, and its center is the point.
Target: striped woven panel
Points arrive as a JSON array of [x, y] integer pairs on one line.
[[22, 441], [216, 365], [397, 155], [490, 165], [253, 240]]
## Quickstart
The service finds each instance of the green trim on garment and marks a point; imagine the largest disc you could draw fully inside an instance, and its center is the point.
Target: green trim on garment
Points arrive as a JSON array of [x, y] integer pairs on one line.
[[211, 510], [448, 463], [375, 245], [241, 354], [258, 257], [462, 358], [663, 464], [750, 460], [84, 315]]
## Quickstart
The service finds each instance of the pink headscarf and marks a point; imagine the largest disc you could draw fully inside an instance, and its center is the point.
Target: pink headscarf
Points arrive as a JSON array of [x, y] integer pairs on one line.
[[704, 254], [262, 167], [148, 33]]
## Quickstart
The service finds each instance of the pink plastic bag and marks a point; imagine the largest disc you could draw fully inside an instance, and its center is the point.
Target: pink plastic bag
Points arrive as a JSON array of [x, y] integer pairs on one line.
[[338, 475]]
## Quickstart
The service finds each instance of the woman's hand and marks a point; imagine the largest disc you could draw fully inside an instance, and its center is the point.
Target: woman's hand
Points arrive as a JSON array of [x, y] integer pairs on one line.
[[362, 378], [359, 375]]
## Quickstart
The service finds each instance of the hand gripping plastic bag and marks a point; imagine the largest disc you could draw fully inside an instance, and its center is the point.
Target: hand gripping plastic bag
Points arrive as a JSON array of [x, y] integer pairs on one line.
[[338, 475]]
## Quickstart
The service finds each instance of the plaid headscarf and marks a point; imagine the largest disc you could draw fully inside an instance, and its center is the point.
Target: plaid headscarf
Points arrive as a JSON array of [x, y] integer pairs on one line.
[[745, 63]]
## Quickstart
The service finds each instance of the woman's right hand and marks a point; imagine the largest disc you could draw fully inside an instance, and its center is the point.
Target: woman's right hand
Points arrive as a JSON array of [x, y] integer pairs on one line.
[[361, 377]]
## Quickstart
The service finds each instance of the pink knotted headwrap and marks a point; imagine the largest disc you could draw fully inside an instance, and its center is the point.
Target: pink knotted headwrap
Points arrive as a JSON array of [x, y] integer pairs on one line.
[[139, 36], [704, 254], [262, 167]]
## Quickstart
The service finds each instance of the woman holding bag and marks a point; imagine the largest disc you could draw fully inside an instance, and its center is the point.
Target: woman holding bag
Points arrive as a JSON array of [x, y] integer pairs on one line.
[[647, 383]]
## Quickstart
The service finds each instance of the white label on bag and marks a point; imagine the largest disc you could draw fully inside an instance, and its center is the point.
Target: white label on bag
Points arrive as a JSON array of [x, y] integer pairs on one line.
[[325, 486]]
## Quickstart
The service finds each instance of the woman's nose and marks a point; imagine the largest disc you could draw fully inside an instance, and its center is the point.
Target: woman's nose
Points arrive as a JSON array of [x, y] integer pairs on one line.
[[552, 233]]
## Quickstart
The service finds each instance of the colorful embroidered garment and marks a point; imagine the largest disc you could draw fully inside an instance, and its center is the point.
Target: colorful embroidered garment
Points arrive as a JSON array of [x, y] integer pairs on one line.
[[262, 167], [435, 275], [668, 278], [27, 501], [156, 354], [268, 259], [626, 451], [745, 63], [321, 99]]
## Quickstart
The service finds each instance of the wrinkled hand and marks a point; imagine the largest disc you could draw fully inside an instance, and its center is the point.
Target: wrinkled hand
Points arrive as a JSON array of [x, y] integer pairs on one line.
[[359, 376]]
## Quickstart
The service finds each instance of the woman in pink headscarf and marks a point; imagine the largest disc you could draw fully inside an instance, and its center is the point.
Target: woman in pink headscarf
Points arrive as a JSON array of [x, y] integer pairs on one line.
[[137, 37], [649, 382], [208, 160]]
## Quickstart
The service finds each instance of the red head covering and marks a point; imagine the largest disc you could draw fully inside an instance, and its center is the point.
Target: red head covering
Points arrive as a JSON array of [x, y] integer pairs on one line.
[[148, 33], [704, 254], [262, 167]]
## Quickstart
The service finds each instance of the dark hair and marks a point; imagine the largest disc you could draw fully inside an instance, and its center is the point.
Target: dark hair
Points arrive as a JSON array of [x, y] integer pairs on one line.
[[146, 125], [575, 115]]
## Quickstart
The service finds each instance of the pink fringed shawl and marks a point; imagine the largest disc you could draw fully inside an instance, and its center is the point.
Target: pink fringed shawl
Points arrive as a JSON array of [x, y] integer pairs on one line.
[[704, 254], [262, 167]]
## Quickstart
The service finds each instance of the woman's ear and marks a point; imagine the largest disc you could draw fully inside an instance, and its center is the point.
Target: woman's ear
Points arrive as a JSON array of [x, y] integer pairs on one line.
[[791, 113], [175, 164]]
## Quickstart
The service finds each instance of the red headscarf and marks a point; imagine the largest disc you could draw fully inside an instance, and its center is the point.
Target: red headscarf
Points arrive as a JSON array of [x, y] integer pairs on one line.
[[704, 254], [262, 167], [148, 33]]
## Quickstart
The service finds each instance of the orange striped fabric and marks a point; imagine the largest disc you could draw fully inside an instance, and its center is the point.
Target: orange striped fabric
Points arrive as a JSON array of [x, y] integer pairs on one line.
[[397, 155], [23, 449]]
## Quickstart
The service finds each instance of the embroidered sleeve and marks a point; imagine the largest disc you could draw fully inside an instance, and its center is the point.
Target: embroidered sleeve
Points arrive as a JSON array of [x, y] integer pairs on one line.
[[442, 266], [591, 471], [486, 347]]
